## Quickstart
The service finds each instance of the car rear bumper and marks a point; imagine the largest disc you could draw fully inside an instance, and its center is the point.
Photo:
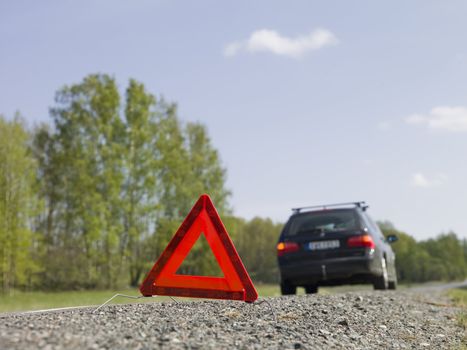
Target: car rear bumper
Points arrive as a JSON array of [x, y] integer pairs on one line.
[[330, 271]]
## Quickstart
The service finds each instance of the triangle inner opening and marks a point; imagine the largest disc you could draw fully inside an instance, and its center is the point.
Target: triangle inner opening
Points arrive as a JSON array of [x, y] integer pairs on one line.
[[200, 261]]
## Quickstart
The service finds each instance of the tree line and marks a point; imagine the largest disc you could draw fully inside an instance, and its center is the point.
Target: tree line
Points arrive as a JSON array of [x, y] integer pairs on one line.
[[442, 258], [92, 198], [82, 197]]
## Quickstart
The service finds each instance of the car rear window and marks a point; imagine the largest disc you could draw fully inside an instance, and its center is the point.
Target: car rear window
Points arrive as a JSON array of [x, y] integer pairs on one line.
[[323, 221]]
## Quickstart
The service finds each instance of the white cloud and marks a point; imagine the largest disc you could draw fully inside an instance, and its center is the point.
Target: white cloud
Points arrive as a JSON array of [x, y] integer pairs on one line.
[[267, 40], [420, 180], [453, 119]]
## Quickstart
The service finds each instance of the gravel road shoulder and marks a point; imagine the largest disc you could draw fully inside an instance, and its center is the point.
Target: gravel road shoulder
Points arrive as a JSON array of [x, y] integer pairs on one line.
[[356, 320]]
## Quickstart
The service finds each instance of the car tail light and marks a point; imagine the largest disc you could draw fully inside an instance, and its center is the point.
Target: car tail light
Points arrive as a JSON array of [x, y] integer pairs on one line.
[[287, 247], [363, 241]]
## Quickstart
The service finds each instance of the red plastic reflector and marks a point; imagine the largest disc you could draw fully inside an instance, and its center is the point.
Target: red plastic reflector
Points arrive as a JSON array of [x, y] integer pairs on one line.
[[363, 241], [163, 279], [287, 247]]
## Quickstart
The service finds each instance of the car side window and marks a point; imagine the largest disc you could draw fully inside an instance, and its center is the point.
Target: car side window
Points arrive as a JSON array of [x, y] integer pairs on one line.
[[366, 222], [374, 227]]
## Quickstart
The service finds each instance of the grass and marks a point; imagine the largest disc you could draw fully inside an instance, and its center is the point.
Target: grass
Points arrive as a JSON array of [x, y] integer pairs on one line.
[[459, 297], [22, 301], [27, 301]]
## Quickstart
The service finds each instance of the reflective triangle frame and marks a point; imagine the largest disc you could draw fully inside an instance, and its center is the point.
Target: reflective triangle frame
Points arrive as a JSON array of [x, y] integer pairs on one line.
[[163, 280]]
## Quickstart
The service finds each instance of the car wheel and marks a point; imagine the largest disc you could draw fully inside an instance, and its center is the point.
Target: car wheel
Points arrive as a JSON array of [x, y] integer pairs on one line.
[[381, 282], [311, 289], [288, 289]]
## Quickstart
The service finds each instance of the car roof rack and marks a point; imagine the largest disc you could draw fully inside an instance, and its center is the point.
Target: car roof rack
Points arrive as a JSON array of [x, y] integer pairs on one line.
[[360, 204]]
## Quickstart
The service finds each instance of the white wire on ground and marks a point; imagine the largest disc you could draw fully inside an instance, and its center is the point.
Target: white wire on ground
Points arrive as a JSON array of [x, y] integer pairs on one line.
[[270, 307], [142, 296], [129, 297], [119, 295]]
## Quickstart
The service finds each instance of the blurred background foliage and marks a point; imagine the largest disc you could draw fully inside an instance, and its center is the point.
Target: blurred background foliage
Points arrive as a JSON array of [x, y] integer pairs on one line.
[[443, 258], [90, 200]]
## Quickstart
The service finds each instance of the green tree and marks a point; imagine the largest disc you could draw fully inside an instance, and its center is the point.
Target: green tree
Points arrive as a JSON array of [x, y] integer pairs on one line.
[[50, 189], [256, 243], [441, 258], [174, 168], [207, 173], [17, 204], [85, 151], [140, 184], [447, 254], [188, 167], [116, 187]]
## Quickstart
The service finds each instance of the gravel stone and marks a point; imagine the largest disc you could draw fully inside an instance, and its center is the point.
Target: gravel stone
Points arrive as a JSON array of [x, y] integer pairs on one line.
[[363, 320]]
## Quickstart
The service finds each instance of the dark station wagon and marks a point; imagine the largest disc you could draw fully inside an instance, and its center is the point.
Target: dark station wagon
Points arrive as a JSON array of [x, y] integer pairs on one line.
[[334, 244]]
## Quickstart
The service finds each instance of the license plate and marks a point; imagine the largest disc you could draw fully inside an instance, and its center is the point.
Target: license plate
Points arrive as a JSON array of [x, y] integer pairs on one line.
[[323, 245]]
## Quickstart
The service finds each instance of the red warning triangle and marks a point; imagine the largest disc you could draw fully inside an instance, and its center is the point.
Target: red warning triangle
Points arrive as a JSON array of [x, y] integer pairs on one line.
[[163, 280]]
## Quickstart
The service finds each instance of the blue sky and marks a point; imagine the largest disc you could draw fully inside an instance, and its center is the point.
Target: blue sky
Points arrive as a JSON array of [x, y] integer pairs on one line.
[[308, 102]]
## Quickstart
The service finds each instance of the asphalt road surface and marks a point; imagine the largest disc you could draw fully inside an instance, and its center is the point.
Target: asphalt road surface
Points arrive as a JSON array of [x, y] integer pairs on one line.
[[411, 319]]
